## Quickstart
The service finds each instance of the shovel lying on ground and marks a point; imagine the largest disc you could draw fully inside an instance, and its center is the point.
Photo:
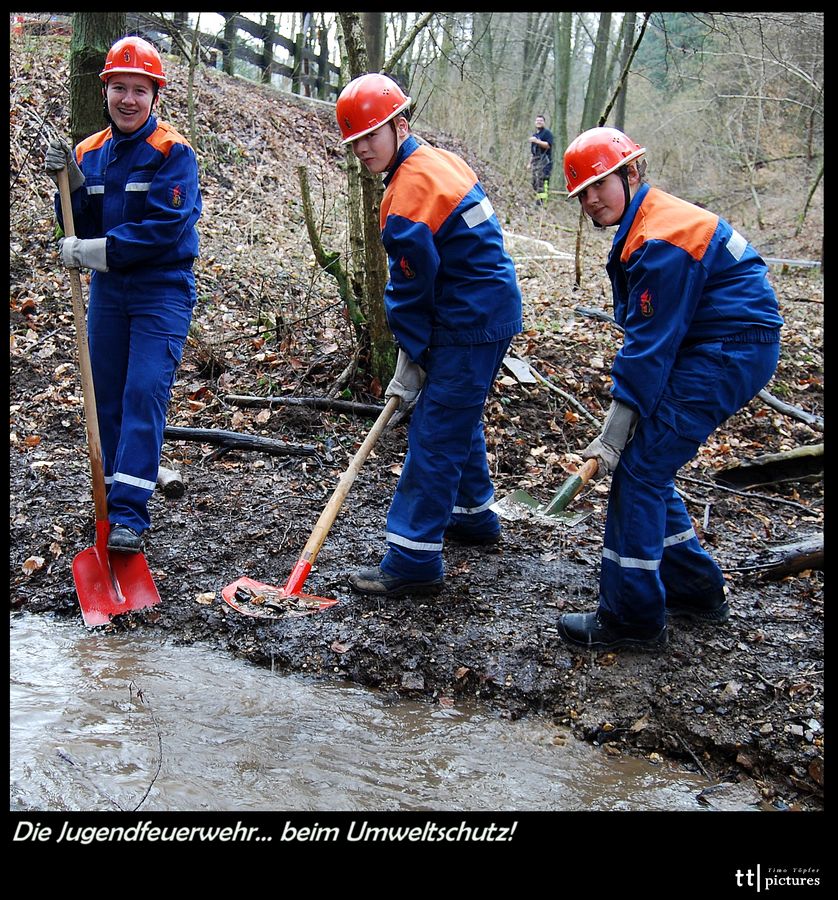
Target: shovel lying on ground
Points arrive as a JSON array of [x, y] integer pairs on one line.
[[107, 583], [256, 599], [520, 504]]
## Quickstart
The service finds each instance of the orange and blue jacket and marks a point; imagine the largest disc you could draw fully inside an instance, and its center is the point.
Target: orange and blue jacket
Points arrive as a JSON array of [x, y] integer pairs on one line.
[[681, 275], [451, 280], [141, 192]]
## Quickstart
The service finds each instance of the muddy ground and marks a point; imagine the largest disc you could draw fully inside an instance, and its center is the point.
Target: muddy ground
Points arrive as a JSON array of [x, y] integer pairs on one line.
[[742, 702]]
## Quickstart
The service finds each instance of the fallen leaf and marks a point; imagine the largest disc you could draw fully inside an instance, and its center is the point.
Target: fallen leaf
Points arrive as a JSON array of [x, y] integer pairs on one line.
[[640, 724], [206, 598], [462, 672], [338, 647], [32, 564]]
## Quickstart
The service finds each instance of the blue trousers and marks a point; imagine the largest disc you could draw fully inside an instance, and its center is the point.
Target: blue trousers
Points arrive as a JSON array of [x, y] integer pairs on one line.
[[445, 476], [137, 325], [650, 547]]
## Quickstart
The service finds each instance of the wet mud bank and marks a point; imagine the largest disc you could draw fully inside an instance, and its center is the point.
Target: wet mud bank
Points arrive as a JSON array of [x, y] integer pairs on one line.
[[740, 703]]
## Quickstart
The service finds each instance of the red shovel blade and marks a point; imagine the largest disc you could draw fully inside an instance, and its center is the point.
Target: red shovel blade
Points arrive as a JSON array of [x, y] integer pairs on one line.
[[265, 601], [108, 584]]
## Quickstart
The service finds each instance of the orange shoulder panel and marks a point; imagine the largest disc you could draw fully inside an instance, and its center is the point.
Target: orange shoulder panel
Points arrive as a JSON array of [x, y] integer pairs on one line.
[[164, 137], [94, 142], [427, 187], [663, 217]]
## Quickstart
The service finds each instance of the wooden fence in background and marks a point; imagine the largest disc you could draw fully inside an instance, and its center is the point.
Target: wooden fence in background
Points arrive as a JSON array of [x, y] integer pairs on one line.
[[293, 64]]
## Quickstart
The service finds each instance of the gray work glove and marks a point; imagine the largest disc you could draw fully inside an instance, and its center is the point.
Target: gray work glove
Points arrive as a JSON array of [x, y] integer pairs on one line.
[[616, 433], [59, 154], [407, 380], [90, 254]]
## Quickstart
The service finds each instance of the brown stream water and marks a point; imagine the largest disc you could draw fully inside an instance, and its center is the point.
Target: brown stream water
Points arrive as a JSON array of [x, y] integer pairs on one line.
[[120, 721]]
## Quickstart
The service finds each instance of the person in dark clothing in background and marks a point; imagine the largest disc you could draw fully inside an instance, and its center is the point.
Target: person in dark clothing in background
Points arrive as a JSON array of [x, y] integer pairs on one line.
[[541, 160]]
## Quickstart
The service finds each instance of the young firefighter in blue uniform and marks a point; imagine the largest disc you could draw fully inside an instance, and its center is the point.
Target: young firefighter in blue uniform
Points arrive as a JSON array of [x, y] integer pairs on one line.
[[135, 203], [702, 331], [453, 305]]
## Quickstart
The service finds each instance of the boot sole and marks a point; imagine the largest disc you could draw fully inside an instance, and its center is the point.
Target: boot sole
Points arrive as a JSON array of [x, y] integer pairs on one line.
[[707, 617], [417, 588], [651, 645]]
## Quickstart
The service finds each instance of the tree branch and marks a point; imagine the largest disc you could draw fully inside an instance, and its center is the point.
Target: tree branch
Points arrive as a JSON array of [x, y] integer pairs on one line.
[[409, 38], [347, 406], [626, 67]]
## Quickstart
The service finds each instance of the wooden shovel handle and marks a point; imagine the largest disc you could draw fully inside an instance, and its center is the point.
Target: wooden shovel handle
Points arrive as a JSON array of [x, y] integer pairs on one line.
[[94, 443], [588, 470], [571, 487], [329, 514]]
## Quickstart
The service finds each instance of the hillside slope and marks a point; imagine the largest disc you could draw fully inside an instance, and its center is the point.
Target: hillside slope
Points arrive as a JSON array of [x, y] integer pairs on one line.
[[737, 702]]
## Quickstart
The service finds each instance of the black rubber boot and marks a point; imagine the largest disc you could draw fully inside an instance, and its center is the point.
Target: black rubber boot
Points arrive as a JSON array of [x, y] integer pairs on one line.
[[124, 539], [596, 632], [380, 584], [711, 608], [459, 534]]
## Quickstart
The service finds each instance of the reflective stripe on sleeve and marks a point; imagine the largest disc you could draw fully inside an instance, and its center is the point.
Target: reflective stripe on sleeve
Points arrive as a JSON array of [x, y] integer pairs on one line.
[[479, 213]]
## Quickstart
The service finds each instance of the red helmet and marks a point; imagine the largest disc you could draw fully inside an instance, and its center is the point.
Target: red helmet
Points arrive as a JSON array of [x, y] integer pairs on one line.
[[366, 103], [595, 154], [133, 54]]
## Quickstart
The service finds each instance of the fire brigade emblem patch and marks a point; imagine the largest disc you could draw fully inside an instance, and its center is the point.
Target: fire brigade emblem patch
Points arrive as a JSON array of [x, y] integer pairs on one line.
[[573, 174], [404, 265], [126, 56], [646, 308], [176, 196]]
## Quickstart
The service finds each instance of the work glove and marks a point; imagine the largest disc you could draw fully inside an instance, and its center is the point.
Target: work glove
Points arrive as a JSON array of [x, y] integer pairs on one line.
[[616, 432], [90, 254], [407, 380], [59, 154]]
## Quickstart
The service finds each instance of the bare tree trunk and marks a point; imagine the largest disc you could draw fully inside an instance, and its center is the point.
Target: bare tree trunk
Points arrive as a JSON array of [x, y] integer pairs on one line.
[[483, 34], [268, 49], [228, 56], [93, 35], [374, 36], [594, 96], [561, 52], [629, 24], [376, 271]]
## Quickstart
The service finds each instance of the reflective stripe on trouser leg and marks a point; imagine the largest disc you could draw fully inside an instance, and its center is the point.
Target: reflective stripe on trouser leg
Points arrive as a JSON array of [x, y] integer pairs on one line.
[[686, 568], [475, 493], [442, 464], [649, 542], [438, 446], [137, 328], [645, 515]]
